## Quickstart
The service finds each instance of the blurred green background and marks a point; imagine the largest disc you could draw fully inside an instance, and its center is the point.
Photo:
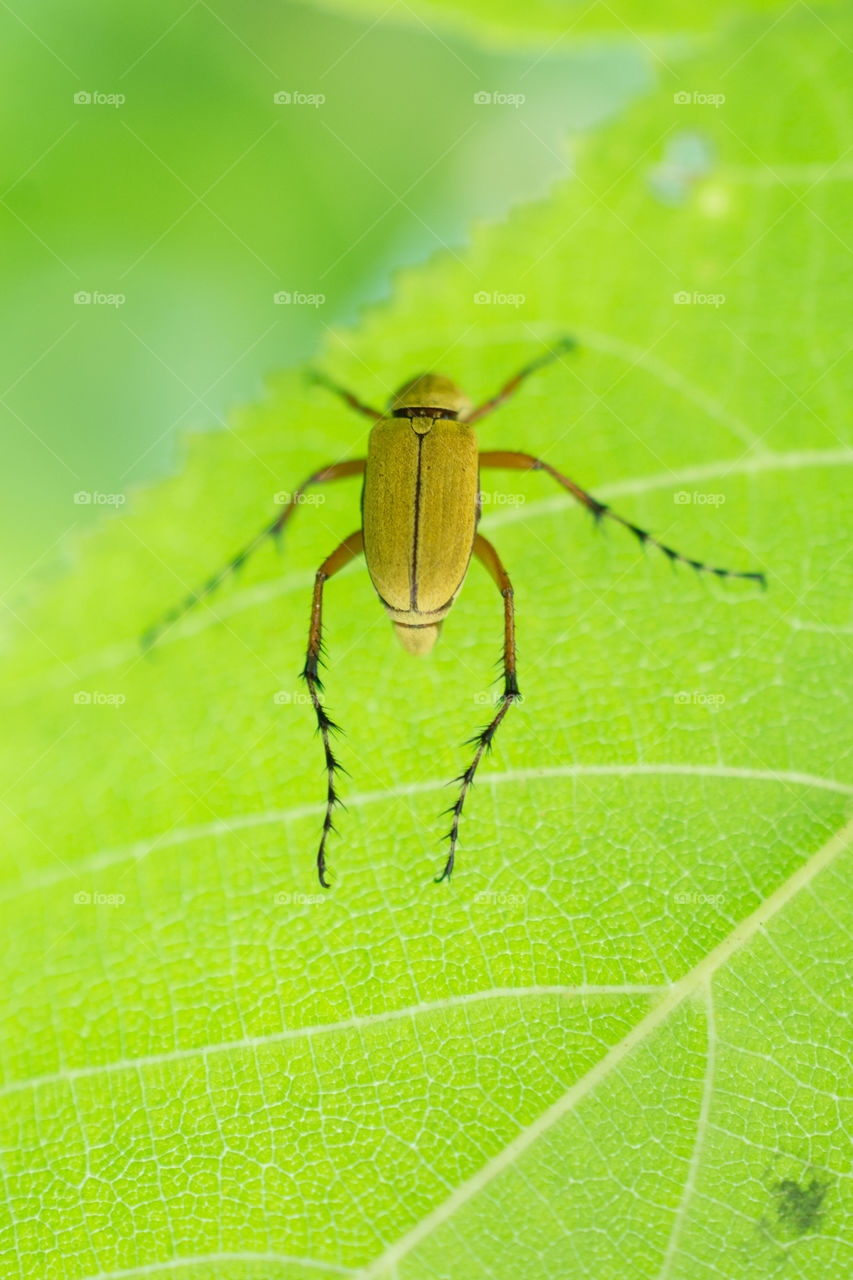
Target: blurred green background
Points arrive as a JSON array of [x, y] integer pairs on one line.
[[198, 198]]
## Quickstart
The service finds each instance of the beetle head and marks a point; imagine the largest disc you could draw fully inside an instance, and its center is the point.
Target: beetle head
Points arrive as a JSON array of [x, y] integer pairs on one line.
[[430, 391]]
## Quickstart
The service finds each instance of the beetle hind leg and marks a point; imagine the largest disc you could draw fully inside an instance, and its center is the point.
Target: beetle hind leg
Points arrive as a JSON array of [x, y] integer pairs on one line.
[[348, 550], [485, 552]]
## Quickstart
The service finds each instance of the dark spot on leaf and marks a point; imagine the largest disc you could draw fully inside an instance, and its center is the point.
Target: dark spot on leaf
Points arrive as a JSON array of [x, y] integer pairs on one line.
[[798, 1206]]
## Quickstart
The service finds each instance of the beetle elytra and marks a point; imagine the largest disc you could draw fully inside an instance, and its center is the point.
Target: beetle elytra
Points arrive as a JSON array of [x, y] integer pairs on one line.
[[420, 511]]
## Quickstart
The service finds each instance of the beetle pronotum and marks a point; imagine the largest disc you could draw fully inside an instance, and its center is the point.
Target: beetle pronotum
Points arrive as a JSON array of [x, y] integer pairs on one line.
[[420, 510]]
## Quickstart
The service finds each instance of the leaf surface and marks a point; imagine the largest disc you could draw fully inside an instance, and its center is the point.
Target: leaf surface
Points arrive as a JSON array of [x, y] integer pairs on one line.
[[618, 1043]]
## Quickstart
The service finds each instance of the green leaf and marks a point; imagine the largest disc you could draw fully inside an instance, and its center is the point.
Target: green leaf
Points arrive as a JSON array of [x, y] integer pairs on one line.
[[618, 1043]]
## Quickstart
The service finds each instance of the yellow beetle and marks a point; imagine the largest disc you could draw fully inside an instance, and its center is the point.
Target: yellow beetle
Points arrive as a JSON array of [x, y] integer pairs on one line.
[[420, 506], [420, 510]]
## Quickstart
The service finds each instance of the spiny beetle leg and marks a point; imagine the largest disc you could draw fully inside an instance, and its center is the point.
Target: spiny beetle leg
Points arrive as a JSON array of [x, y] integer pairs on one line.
[[485, 552], [347, 551], [511, 461], [335, 471]]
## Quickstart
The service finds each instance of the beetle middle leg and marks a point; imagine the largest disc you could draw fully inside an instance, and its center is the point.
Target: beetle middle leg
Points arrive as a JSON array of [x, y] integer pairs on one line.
[[347, 551], [273, 529], [485, 552], [512, 461], [561, 346]]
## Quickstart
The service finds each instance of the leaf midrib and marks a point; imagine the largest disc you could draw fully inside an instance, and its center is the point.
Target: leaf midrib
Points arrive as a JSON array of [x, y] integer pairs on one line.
[[135, 852], [701, 974], [359, 1022]]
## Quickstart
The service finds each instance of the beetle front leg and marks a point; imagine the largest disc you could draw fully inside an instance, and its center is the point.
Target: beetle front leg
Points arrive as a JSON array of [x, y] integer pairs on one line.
[[347, 551], [560, 346], [273, 529], [485, 552]]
